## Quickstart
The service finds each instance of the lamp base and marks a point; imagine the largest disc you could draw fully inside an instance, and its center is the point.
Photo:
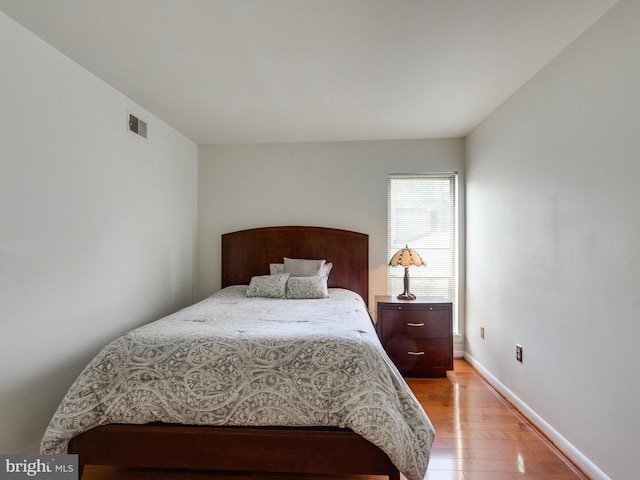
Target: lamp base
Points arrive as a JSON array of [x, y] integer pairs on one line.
[[406, 296]]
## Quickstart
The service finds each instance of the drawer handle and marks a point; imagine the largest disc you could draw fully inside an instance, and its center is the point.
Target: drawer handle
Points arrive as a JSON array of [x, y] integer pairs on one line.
[[415, 324], [415, 353]]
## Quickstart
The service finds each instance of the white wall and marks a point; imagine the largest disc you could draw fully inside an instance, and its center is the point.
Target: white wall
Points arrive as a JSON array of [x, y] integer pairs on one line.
[[97, 226], [553, 258], [340, 185]]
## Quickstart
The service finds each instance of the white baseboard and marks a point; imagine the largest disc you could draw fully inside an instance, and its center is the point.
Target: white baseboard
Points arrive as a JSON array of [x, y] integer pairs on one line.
[[575, 455]]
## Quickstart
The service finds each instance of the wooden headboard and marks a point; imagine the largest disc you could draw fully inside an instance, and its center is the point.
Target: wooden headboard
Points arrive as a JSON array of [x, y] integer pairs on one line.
[[249, 252]]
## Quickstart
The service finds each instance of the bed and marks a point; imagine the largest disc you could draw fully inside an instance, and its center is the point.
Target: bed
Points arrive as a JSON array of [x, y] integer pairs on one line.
[[121, 410]]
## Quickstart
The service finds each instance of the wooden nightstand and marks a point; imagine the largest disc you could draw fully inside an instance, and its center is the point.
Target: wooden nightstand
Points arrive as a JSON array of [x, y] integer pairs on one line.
[[417, 334]]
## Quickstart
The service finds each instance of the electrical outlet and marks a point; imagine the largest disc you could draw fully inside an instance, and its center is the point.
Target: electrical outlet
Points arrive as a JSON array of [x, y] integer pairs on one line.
[[519, 353], [482, 333]]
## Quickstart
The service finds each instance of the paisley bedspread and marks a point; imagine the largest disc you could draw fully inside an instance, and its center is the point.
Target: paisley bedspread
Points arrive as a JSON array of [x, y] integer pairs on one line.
[[234, 360]]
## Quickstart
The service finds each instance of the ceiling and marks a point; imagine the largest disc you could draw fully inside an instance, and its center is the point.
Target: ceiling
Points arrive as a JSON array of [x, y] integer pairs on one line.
[[255, 71]]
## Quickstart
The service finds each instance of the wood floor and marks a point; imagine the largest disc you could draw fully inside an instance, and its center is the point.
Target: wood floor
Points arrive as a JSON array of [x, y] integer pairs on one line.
[[479, 436]]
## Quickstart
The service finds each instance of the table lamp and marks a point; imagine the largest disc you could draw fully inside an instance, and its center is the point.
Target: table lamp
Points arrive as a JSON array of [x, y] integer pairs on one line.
[[406, 257]]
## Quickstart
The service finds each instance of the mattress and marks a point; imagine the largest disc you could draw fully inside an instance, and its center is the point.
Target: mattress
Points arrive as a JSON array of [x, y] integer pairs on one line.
[[235, 360]]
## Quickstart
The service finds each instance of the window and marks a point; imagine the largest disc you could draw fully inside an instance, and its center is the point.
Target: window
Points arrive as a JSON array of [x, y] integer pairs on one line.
[[422, 214]]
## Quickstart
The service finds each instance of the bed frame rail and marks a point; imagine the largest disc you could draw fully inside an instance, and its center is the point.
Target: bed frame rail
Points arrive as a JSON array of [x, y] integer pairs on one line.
[[300, 450]]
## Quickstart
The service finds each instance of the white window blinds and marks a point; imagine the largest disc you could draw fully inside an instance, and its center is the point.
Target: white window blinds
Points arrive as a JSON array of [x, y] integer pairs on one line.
[[422, 214]]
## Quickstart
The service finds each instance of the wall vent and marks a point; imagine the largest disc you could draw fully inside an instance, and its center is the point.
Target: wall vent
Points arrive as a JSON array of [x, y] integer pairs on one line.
[[137, 126]]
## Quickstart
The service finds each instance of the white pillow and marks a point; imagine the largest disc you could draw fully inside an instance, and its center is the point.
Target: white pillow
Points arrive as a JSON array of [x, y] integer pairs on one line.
[[307, 287], [276, 268], [297, 267], [270, 286]]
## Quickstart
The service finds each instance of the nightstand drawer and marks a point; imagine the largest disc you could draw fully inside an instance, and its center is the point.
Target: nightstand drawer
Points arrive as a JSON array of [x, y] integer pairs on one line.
[[416, 323], [420, 357]]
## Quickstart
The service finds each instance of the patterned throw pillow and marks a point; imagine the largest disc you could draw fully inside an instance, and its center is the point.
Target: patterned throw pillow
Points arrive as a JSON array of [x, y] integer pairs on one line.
[[276, 268], [270, 286], [307, 287]]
